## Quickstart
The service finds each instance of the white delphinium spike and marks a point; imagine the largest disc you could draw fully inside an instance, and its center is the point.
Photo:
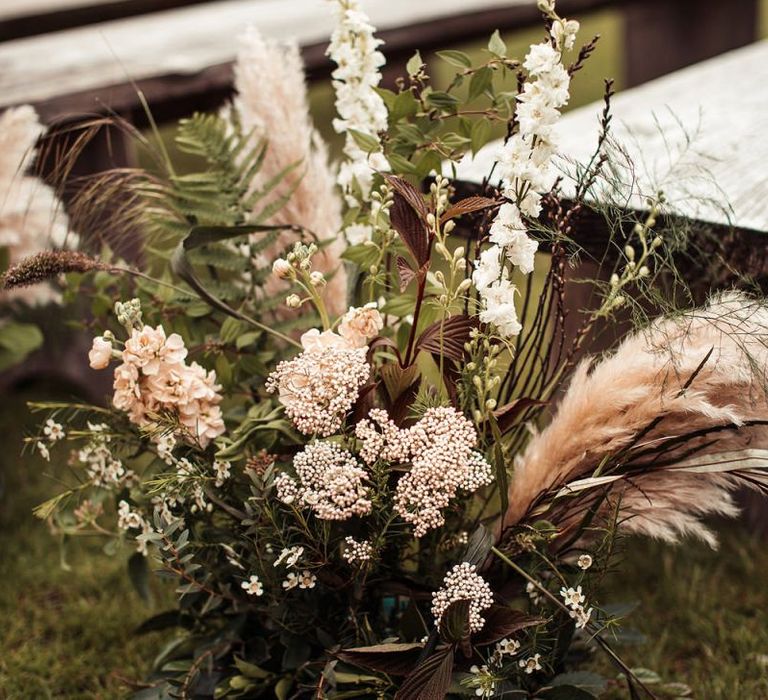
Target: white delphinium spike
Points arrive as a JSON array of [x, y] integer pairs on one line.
[[354, 50], [525, 162]]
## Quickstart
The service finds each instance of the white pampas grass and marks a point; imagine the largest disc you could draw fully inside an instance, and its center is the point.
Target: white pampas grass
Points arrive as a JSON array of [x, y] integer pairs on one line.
[[32, 218], [663, 430], [272, 101]]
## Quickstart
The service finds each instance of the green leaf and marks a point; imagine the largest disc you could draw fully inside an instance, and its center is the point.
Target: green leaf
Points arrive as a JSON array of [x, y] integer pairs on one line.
[[281, 689], [480, 82], [414, 64], [481, 134], [251, 670], [366, 142], [456, 58], [404, 105], [138, 572], [496, 45], [581, 679], [566, 692], [443, 100], [202, 235], [17, 341]]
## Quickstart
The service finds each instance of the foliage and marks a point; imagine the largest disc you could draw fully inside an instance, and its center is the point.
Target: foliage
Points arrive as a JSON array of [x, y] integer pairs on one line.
[[341, 511]]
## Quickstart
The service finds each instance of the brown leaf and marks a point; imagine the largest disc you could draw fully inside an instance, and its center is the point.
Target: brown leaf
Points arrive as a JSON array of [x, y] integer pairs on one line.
[[395, 659], [406, 274], [431, 679], [398, 379], [409, 218], [455, 333], [469, 205], [411, 195], [500, 622], [507, 414]]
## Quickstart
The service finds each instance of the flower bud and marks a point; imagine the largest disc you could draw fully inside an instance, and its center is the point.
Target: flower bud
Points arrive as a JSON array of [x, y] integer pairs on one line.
[[293, 301], [449, 226], [282, 269], [490, 404], [657, 242], [629, 251], [316, 278], [643, 271]]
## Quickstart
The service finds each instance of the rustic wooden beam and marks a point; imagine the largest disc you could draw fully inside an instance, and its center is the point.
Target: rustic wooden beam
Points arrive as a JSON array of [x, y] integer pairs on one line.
[[665, 35], [24, 18], [185, 56]]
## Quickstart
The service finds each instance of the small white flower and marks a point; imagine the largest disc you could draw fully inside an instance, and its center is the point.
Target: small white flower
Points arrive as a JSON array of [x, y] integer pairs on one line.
[[533, 593], [253, 586], [289, 556], [43, 450], [573, 596], [508, 647], [530, 664], [581, 615], [584, 562], [483, 681], [53, 430], [307, 580], [358, 233], [291, 582], [222, 469]]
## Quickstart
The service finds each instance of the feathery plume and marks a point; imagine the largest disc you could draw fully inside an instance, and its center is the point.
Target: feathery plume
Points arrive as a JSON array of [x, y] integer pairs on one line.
[[31, 216], [272, 101], [45, 266], [675, 419]]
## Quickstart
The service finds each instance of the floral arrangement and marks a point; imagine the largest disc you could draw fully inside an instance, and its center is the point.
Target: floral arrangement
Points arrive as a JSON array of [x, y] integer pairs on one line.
[[352, 415]]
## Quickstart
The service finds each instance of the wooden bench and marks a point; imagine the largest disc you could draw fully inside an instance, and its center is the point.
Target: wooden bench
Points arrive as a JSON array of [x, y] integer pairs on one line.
[[182, 58]]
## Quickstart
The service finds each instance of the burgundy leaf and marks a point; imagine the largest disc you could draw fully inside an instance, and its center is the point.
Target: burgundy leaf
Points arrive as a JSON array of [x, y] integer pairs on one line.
[[412, 229], [395, 659], [501, 622], [410, 194], [406, 274], [469, 205], [431, 679], [507, 414], [455, 333]]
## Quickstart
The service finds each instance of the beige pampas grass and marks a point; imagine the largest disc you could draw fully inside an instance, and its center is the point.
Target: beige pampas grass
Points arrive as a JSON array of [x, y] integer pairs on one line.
[[32, 218], [272, 101], [674, 420]]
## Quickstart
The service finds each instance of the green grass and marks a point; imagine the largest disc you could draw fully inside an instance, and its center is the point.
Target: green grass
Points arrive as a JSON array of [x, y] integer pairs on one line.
[[703, 613], [66, 632]]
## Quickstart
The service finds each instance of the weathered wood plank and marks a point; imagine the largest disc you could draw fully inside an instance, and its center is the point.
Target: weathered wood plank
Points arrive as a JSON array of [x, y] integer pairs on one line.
[[22, 18], [698, 134], [189, 51]]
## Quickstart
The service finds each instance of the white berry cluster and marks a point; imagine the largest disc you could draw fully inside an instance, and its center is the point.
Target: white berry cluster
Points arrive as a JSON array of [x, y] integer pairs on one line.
[[439, 448], [355, 551], [463, 583], [527, 171], [330, 481], [318, 387]]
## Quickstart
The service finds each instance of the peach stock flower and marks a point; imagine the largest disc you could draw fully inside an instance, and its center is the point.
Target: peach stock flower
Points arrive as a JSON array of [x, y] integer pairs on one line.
[[100, 353], [360, 325]]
